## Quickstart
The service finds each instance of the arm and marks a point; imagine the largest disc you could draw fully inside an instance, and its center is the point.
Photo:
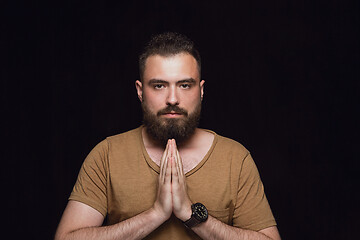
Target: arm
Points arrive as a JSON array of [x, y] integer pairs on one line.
[[81, 221], [215, 229]]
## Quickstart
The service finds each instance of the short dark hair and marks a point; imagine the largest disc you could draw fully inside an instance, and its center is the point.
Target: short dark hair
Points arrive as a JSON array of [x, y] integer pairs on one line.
[[168, 44]]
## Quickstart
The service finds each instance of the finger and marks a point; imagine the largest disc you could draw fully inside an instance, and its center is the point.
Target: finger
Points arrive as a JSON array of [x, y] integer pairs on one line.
[[167, 178], [171, 147], [180, 165], [176, 165], [164, 155], [174, 171], [178, 161], [174, 148], [163, 162]]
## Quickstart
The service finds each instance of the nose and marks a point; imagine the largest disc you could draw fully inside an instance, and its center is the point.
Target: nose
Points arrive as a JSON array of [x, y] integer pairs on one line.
[[172, 98]]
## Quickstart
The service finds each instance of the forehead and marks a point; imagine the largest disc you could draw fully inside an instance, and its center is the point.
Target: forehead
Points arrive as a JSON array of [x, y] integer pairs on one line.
[[173, 67]]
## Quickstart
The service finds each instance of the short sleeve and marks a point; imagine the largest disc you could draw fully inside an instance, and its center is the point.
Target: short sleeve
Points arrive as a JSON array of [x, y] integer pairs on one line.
[[90, 186], [252, 210]]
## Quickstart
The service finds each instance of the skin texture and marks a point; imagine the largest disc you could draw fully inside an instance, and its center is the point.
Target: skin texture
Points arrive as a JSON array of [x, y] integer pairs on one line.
[[171, 82], [80, 221]]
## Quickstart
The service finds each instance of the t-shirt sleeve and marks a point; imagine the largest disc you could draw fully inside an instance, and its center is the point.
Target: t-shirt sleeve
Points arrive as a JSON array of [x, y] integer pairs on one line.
[[90, 186], [252, 210]]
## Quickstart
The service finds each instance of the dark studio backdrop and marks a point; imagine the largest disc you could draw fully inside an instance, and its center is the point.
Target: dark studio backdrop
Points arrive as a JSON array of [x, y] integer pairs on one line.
[[281, 78]]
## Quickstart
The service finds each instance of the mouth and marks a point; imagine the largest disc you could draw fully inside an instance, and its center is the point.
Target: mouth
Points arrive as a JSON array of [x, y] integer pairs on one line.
[[172, 114]]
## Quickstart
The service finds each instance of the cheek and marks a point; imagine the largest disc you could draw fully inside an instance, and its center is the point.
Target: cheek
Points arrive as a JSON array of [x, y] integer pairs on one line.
[[190, 103], [153, 99], [192, 98]]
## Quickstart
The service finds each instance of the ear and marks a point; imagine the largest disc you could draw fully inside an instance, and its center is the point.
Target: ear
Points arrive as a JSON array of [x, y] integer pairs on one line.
[[139, 90], [202, 82]]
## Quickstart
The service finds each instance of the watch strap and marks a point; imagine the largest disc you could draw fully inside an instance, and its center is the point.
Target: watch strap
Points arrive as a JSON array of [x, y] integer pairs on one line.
[[192, 222]]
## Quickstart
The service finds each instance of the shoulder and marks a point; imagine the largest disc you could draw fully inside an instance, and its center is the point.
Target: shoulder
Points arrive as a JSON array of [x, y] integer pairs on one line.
[[227, 145], [227, 153], [130, 136], [118, 141], [231, 143], [113, 147]]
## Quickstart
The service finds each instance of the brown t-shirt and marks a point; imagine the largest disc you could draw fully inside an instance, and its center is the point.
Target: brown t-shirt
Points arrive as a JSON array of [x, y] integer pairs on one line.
[[119, 179]]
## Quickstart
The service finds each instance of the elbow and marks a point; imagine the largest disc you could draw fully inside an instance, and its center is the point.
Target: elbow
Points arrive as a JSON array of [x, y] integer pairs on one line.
[[60, 235]]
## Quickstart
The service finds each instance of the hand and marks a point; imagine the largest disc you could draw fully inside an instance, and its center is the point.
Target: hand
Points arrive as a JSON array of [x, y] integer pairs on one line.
[[172, 194], [180, 199], [163, 202]]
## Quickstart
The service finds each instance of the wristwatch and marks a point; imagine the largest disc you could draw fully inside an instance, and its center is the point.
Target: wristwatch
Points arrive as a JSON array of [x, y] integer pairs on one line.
[[199, 215]]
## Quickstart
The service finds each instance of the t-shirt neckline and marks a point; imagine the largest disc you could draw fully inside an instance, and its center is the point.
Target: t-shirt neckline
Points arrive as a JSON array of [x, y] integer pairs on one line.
[[156, 168]]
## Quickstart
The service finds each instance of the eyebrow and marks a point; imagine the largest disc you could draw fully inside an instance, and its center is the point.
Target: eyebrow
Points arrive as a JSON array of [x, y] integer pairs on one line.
[[154, 80], [187, 80]]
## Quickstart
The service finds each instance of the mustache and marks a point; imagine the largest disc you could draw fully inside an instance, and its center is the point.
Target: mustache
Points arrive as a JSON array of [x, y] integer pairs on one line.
[[172, 108]]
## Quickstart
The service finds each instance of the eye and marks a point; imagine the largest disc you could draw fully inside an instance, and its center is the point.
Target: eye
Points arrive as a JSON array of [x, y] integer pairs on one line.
[[159, 86], [185, 86]]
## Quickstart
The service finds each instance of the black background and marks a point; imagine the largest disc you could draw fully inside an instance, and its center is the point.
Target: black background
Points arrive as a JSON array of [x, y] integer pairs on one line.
[[282, 78]]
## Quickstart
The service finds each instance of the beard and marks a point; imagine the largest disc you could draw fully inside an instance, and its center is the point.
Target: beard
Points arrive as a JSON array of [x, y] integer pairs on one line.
[[161, 129]]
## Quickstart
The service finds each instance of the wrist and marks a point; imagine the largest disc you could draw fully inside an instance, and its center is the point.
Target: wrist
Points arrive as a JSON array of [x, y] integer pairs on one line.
[[185, 214], [158, 215]]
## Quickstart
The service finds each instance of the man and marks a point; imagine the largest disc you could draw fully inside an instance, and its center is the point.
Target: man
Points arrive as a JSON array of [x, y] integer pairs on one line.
[[168, 179]]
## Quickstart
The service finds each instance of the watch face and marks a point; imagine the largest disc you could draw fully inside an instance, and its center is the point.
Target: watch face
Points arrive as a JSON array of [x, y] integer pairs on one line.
[[200, 211]]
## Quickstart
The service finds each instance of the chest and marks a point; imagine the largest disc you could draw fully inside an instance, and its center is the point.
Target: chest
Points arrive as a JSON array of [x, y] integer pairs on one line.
[[132, 190], [190, 158], [133, 179]]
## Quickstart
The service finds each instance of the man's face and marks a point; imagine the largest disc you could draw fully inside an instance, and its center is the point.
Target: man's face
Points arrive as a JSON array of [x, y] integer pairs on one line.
[[171, 93]]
